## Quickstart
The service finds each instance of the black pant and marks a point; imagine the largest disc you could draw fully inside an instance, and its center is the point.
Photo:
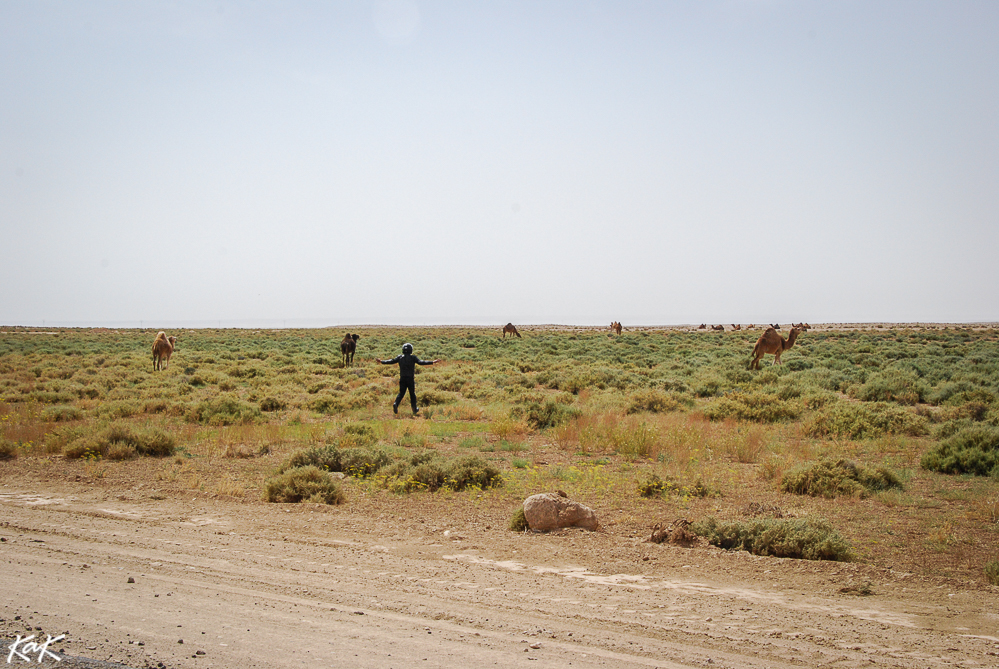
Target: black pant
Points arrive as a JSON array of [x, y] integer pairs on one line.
[[404, 385]]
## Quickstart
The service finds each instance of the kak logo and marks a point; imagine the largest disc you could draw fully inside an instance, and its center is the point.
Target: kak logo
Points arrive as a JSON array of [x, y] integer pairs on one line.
[[29, 648]]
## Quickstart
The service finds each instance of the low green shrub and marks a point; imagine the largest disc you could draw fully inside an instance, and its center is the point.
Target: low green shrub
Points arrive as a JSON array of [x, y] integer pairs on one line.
[[357, 462], [272, 404], [991, 571], [892, 385], [759, 407], [121, 441], [224, 410], [802, 538], [518, 522], [545, 415], [866, 421], [829, 478], [973, 450], [656, 401], [8, 449], [304, 484], [61, 413], [654, 486]]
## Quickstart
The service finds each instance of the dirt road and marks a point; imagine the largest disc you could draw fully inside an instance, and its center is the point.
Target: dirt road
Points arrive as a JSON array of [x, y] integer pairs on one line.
[[193, 582]]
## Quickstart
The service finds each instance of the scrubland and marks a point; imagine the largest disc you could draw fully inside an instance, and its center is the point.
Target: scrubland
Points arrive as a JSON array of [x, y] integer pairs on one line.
[[882, 442]]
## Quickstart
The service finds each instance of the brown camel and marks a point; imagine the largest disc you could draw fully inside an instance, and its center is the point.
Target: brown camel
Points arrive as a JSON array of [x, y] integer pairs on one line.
[[347, 348], [702, 326], [509, 328], [802, 326], [775, 326], [771, 342], [751, 326], [162, 350], [736, 327], [616, 327], [719, 328]]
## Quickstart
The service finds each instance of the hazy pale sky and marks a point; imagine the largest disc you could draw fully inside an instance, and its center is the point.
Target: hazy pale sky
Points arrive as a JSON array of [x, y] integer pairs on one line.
[[405, 162]]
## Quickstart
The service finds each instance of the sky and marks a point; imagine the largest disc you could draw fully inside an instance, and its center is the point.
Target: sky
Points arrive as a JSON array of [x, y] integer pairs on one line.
[[312, 164]]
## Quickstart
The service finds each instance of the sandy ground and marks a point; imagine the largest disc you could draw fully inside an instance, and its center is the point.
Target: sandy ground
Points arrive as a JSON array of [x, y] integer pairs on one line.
[[223, 583]]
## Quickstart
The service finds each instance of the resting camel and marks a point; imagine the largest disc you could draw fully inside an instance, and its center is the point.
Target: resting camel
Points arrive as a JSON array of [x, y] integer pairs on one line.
[[702, 326], [347, 348], [771, 342], [802, 326], [775, 326], [751, 326], [736, 327], [508, 328], [719, 328], [616, 327], [162, 350]]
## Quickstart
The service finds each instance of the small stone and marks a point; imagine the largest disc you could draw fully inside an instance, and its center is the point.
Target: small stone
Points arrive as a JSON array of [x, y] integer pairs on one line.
[[200, 652], [180, 641], [130, 580]]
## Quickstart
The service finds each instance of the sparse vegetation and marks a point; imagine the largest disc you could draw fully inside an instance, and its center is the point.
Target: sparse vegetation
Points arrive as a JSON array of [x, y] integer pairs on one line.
[[571, 409]]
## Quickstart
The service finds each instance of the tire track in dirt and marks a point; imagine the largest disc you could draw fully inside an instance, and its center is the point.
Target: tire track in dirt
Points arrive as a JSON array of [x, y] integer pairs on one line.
[[328, 597]]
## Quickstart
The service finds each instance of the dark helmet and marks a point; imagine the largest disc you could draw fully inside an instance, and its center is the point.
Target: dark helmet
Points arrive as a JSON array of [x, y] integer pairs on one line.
[[407, 349]]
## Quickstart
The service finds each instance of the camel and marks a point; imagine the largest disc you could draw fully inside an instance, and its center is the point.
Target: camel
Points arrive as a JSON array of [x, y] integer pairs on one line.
[[702, 326], [162, 350], [719, 328], [802, 326], [616, 327], [736, 327], [347, 348], [751, 326], [775, 326], [509, 328], [771, 342]]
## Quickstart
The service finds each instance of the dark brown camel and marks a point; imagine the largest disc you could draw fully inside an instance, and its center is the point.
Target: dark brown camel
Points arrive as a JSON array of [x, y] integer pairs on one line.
[[509, 328], [771, 342], [347, 348], [702, 326], [719, 328], [736, 327]]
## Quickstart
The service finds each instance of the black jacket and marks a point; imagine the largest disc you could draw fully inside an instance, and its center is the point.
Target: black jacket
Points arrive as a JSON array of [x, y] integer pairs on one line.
[[407, 364]]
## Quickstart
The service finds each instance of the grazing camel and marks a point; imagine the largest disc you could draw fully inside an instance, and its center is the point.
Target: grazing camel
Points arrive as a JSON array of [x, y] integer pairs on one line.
[[616, 327], [771, 342], [347, 348], [719, 328], [508, 328], [162, 350], [736, 327]]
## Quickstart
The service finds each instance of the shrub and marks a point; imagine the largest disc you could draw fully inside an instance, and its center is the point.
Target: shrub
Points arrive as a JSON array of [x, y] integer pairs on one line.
[[830, 479], [120, 441], [892, 385], [471, 471], [358, 462], [61, 413], [224, 410], [866, 421], [654, 401], [760, 407], [548, 414], [991, 571], [518, 522], [653, 486], [802, 538], [272, 404], [8, 449], [304, 484], [974, 450]]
